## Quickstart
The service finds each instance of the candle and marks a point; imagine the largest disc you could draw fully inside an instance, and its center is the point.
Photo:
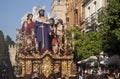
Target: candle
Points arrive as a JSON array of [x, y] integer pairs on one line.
[[73, 35], [65, 41]]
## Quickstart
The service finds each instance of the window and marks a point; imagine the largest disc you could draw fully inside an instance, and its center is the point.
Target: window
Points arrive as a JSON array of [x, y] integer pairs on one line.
[[95, 3], [76, 17], [88, 8], [88, 11], [67, 19], [58, 2], [94, 8]]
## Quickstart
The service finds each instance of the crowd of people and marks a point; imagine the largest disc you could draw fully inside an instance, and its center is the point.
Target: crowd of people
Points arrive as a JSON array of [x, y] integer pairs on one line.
[[100, 72], [42, 34], [94, 72], [3, 71], [91, 73]]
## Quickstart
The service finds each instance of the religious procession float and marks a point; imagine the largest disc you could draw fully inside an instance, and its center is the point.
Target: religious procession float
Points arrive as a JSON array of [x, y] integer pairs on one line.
[[42, 47]]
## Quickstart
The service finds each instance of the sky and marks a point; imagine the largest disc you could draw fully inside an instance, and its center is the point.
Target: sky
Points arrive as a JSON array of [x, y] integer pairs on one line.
[[11, 12]]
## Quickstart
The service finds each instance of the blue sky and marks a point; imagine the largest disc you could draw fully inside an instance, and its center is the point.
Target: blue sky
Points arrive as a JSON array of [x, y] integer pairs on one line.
[[11, 12]]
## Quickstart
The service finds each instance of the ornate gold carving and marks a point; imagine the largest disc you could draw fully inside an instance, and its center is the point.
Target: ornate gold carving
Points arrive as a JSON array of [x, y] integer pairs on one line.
[[37, 56], [64, 67], [45, 63], [36, 68], [23, 67], [70, 67], [56, 68], [47, 66], [28, 67]]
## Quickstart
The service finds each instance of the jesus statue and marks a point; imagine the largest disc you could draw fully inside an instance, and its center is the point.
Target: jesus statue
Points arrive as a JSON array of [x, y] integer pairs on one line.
[[42, 31]]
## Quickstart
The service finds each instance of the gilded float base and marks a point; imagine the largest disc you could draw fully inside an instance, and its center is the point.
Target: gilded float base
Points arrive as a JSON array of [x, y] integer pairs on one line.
[[45, 64]]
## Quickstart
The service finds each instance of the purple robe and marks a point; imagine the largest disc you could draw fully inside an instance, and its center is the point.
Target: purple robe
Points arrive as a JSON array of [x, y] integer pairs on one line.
[[42, 31]]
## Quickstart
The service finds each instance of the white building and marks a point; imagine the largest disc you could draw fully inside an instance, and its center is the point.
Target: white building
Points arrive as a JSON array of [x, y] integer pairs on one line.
[[12, 54], [58, 8], [92, 8]]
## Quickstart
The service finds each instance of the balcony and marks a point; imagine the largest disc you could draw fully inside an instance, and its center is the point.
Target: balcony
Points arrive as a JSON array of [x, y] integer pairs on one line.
[[91, 22], [88, 24], [91, 27], [94, 16], [88, 20]]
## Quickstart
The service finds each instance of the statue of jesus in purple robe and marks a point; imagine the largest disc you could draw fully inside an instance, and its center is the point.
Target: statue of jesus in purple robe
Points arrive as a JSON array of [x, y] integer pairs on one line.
[[42, 31]]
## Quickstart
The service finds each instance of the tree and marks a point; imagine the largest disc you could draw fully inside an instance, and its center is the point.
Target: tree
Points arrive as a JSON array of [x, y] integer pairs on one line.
[[4, 55], [87, 44], [9, 41], [2, 43], [110, 30]]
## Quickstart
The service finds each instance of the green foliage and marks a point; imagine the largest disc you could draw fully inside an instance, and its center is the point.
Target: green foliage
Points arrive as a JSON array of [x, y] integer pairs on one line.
[[86, 44], [4, 46], [110, 30], [113, 14], [9, 41], [4, 55], [90, 44], [108, 37], [2, 43]]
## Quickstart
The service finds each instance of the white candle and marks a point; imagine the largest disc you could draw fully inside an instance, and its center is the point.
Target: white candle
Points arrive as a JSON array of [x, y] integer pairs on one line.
[[65, 41], [73, 34]]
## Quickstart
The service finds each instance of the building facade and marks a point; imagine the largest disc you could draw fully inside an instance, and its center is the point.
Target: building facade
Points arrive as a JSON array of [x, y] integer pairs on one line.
[[12, 54], [75, 13], [92, 8], [59, 9]]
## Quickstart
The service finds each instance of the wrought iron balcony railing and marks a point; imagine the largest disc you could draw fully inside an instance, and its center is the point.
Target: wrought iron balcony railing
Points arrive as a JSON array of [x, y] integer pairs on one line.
[[94, 16]]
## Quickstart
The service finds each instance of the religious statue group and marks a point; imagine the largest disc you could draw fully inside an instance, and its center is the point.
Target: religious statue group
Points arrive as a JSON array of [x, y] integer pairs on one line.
[[42, 34]]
